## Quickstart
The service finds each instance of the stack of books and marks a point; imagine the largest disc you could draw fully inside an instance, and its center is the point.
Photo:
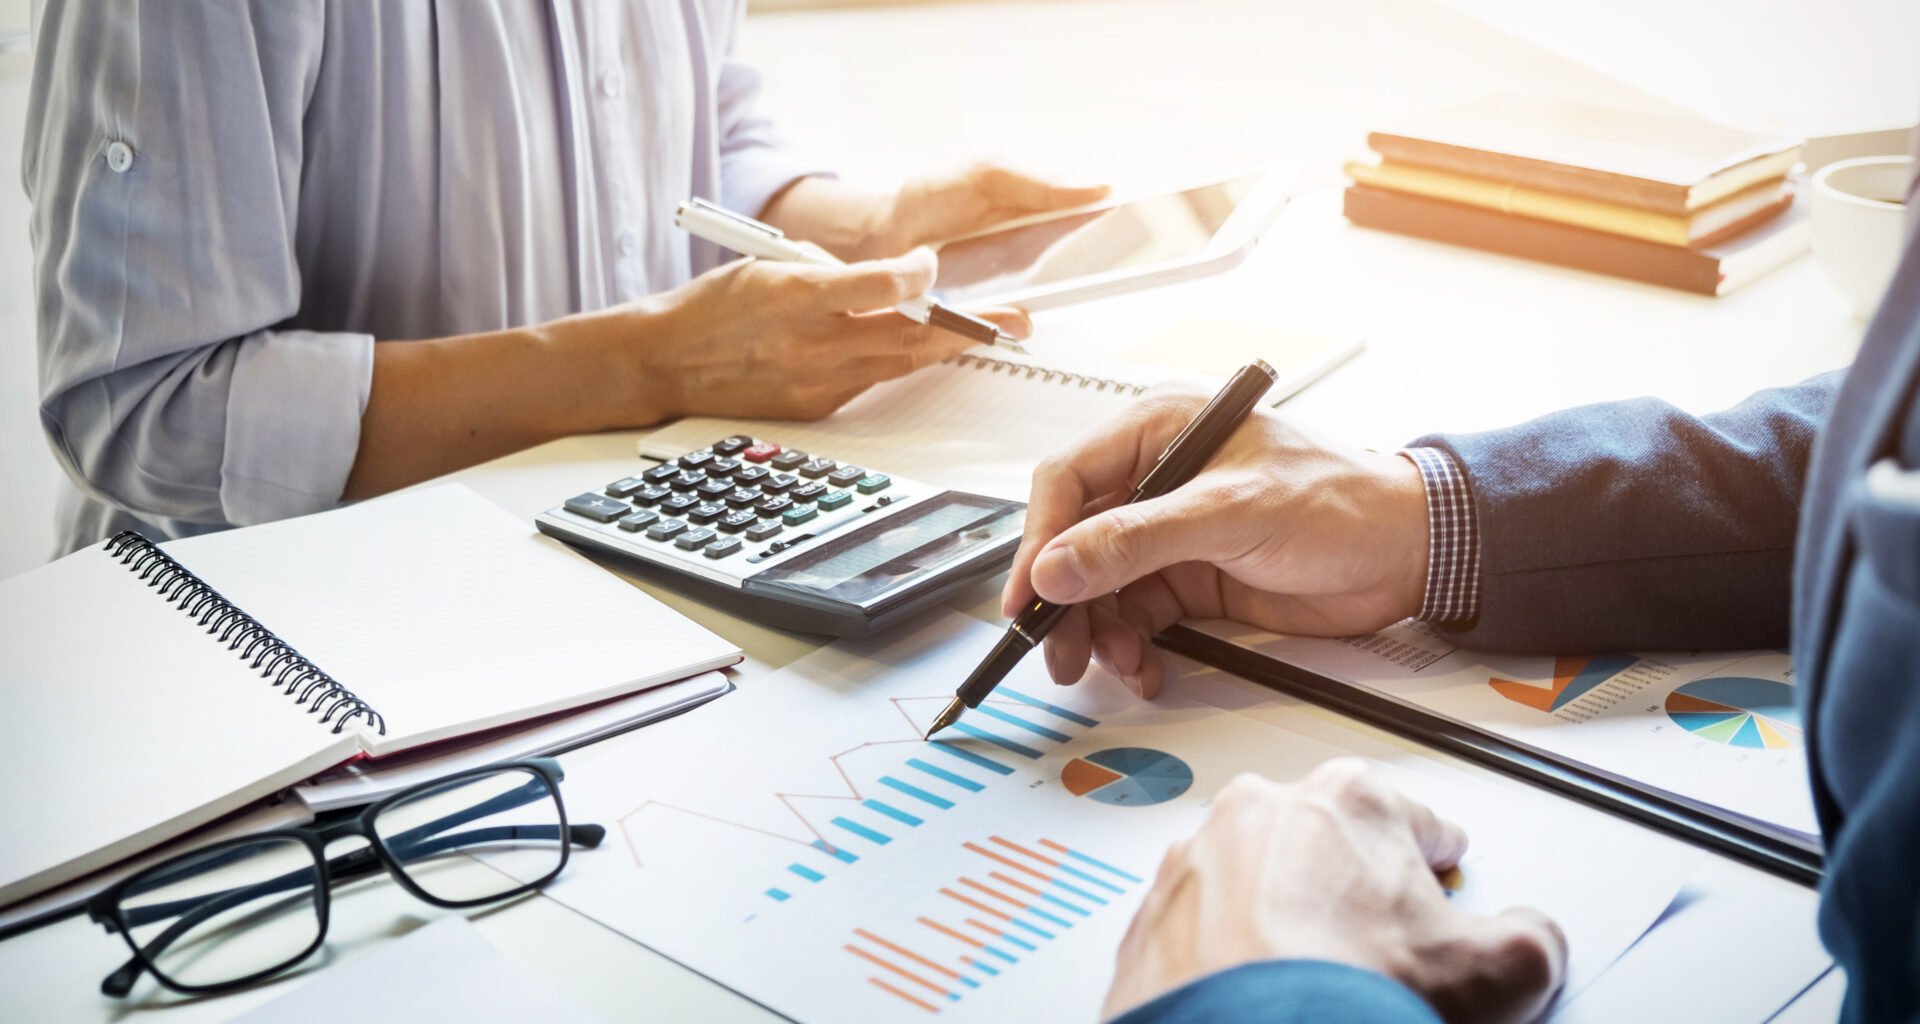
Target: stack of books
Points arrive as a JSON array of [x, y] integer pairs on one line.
[[1666, 199]]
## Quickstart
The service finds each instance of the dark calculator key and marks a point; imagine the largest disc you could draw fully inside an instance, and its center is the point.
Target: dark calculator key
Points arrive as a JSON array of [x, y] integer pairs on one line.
[[598, 507], [625, 486], [799, 514], [665, 529], [761, 531], [639, 520], [808, 492], [695, 460], [688, 479], [661, 473], [732, 445], [722, 548], [838, 499], [708, 512], [674, 504], [747, 476], [760, 452], [814, 469], [651, 494], [713, 488], [737, 520], [846, 476], [772, 505], [779, 482], [694, 540], [722, 467], [742, 497], [875, 484], [787, 459]]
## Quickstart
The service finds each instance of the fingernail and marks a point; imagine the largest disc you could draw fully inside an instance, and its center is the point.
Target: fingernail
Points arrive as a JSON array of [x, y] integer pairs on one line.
[[1057, 575]]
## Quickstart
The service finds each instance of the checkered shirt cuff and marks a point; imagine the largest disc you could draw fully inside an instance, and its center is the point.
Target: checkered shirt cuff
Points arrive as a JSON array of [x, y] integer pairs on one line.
[[1453, 563]]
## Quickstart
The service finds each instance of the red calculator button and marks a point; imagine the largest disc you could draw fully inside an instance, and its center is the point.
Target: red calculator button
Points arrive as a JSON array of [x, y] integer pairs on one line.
[[760, 452]]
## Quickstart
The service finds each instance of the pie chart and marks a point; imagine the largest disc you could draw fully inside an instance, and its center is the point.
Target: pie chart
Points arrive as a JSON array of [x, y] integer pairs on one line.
[[1758, 714], [1127, 776]]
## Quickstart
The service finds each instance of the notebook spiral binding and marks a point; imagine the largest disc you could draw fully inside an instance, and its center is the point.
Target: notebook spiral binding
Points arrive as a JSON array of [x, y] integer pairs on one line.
[[275, 659], [1032, 372]]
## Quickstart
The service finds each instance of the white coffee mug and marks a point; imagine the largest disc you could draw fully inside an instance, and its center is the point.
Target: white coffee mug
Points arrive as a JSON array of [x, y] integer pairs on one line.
[[1859, 222]]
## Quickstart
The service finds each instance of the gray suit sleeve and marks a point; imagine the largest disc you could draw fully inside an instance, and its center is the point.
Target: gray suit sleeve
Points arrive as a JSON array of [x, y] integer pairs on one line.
[[162, 157]]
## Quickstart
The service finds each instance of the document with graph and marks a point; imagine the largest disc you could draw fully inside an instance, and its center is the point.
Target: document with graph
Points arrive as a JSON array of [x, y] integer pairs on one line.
[[803, 844], [1718, 731]]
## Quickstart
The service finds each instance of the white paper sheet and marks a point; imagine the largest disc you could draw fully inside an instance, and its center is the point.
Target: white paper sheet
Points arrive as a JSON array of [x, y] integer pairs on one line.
[[831, 864]]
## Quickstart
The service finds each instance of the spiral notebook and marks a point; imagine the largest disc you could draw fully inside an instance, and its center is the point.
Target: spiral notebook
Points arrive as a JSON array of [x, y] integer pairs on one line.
[[979, 423], [153, 688]]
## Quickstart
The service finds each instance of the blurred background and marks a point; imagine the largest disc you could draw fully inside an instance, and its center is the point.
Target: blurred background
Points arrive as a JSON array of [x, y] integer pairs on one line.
[[1140, 92]]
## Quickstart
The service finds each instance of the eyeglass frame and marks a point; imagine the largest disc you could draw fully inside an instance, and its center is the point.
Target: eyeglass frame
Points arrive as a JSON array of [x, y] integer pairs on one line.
[[105, 908]]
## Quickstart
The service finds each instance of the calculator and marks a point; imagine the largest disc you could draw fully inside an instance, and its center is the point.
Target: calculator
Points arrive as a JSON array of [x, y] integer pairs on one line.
[[794, 539]]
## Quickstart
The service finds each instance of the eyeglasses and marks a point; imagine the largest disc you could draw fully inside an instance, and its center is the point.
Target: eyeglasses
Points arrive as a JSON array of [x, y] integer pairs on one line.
[[230, 914]]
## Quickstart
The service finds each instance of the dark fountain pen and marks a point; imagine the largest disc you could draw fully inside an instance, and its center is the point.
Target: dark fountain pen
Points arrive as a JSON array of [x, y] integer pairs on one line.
[[1192, 450]]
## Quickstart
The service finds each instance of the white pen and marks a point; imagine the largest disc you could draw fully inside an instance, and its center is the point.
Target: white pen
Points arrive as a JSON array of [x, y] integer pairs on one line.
[[750, 237]]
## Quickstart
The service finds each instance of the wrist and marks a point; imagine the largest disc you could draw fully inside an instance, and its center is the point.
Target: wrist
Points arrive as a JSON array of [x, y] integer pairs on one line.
[[1405, 504], [611, 352]]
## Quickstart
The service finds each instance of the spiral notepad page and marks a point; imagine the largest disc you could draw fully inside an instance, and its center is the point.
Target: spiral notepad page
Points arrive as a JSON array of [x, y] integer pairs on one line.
[[155, 687]]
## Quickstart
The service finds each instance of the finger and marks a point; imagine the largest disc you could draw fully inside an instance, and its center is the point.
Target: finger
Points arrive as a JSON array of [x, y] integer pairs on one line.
[[1068, 646], [1442, 843], [1108, 551], [1010, 188], [868, 285], [1523, 953]]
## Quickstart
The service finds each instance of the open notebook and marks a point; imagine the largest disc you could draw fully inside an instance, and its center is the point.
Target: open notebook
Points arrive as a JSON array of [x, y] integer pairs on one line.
[[154, 688], [980, 423]]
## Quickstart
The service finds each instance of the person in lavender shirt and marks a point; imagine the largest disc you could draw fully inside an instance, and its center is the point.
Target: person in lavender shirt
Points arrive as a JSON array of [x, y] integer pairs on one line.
[[294, 252]]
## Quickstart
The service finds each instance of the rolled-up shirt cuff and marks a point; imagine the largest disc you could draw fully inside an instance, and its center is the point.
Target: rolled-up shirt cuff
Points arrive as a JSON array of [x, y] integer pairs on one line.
[[1453, 533], [293, 423]]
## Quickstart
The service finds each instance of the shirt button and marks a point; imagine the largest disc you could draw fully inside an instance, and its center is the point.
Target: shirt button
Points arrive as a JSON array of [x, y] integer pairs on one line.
[[119, 157], [610, 84], [627, 243]]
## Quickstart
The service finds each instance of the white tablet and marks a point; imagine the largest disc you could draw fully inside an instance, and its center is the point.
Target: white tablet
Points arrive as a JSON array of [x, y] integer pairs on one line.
[[1118, 245]]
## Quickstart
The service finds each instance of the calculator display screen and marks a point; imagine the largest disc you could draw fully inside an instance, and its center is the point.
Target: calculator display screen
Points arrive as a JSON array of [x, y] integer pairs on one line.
[[876, 558]]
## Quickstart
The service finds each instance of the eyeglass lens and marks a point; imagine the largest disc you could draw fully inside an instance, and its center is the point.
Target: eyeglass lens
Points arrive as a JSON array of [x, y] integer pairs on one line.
[[260, 894], [511, 818]]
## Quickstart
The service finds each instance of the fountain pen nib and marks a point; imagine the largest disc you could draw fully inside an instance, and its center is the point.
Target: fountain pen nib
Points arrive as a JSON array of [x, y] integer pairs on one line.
[[948, 715]]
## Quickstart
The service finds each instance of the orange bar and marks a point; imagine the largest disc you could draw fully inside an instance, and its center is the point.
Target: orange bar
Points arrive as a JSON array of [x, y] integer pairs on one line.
[[995, 893], [1021, 849], [895, 968], [1051, 845], [944, 930], [909, 954], [989, 929], [1022, 886], [915, 1000], [1008, 861], [977, 905]]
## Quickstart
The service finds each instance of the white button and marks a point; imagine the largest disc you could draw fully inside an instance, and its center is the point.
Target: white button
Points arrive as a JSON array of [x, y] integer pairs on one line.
[[119, 157], [627, 243], [610, 84]]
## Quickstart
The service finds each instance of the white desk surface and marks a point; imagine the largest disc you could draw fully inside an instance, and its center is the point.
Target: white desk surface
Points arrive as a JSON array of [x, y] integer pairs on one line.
[[1456, 340]]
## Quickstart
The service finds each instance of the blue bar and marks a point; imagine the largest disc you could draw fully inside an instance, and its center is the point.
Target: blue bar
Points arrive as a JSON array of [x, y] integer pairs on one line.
[[1058, 922], [1084, 877], [863, 831], [1033, 929], [1021, 723], [806, 872], [1077, 891], [897, 814], [941, 773], [1022, 943], [1059, 712], [989, 968], [969, 982], [1102, 865], [844, 856], [1057, 901], [970, 757], [1008, 957], [916, 792], [778, 894], [1005, 744]]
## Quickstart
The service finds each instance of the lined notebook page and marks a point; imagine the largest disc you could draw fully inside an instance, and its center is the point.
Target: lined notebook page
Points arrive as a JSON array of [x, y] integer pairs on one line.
[[447, 614], [126, 724], [961, 425]]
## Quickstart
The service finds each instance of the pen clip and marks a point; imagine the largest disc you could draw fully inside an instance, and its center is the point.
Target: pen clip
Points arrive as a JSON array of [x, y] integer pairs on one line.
[[711, 209]]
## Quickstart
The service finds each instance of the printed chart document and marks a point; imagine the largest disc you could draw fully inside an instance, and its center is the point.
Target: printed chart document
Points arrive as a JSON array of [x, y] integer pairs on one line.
[[1720, 731], [832, 864]]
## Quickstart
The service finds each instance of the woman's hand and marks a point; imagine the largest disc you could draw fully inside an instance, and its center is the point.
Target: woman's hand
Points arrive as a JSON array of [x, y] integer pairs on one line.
[[853, 224]]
